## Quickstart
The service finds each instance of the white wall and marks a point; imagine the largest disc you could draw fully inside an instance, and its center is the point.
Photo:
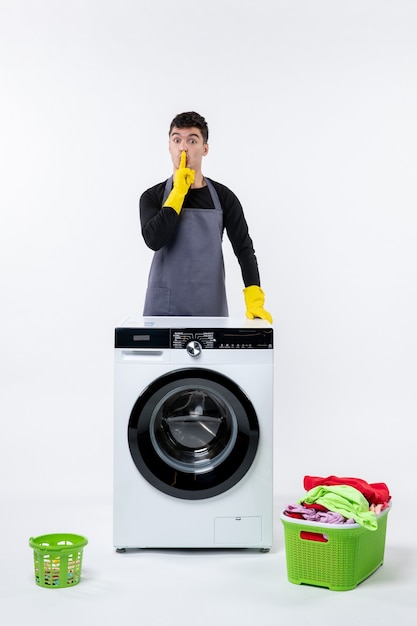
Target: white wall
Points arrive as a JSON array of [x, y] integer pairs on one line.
[[312, 113]]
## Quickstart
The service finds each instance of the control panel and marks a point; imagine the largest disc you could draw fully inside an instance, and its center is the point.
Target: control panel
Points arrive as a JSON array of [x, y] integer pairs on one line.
[[223, 339], [195, 338]]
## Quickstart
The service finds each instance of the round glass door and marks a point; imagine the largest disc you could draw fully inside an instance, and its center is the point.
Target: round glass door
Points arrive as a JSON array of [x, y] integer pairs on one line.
[[193, 433]]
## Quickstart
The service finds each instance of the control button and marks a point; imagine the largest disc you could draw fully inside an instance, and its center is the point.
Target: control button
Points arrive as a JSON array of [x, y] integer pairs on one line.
[[194, 348]]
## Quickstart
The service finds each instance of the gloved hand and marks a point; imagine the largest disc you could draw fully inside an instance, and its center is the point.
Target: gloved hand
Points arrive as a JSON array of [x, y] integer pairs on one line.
[[254, 300], [183, 179]]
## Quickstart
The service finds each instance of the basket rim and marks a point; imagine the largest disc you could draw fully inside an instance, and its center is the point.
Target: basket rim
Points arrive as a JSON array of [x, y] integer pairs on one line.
[[50, 541], [304, 522]]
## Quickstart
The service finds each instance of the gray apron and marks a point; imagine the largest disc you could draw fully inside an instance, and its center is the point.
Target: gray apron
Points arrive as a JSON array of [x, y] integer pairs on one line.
[[187, 275]]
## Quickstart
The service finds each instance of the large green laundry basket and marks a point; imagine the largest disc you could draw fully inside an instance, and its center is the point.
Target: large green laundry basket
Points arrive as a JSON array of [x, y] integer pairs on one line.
[[336, 556], [58, 559]]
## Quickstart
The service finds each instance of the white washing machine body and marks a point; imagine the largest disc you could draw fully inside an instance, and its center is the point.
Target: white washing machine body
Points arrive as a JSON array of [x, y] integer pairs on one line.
[[193, 433]]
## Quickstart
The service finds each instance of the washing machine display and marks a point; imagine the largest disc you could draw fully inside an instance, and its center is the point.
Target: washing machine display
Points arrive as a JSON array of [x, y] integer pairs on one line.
[[193, 433]]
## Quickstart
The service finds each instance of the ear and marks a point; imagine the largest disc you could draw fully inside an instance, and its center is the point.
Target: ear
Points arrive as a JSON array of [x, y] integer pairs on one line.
[[206, 149]]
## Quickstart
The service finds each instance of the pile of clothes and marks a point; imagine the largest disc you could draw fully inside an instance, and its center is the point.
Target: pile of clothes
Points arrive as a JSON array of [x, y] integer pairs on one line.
[[336, 500]]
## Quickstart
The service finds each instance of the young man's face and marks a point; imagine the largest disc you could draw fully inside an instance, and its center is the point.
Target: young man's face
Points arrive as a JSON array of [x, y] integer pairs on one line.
[[191, 140]]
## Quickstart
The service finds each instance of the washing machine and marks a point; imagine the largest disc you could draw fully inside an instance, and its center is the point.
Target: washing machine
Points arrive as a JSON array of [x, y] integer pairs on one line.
[[193, 433]]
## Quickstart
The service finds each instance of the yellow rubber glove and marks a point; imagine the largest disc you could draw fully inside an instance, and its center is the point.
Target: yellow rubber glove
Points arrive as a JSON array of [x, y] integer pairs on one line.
[[254, 300], [183, 179]]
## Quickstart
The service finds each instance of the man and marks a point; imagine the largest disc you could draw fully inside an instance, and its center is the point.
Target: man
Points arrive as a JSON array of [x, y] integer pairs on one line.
[[183, 220]]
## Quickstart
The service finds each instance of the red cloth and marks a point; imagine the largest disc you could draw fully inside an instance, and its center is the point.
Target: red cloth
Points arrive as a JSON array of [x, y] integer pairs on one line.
[[315, 505], [295, 515], [375, 493]]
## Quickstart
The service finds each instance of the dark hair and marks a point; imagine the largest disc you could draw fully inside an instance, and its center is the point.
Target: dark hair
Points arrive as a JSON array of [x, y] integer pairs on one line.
[[188, 120]]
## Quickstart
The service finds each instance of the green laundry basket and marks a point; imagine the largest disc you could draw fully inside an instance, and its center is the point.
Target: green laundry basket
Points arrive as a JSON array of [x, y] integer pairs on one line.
[[58, 559], [336, 556]]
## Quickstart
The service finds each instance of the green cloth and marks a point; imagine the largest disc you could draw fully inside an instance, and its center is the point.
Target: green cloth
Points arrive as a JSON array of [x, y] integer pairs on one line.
[[343, 499]]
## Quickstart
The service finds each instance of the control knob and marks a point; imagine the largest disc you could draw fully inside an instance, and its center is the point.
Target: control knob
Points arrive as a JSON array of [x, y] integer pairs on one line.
[[194, 348]]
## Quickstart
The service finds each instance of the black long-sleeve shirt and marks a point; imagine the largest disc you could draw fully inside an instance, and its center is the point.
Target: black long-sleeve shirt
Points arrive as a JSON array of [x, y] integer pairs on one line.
[[159, 224]]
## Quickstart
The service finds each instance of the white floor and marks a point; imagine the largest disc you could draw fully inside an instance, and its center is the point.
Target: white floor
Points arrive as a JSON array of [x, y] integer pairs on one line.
[[56, 476], [176, 587]]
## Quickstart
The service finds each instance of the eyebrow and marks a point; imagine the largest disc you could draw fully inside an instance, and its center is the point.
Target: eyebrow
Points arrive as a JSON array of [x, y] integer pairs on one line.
[[189, 135]]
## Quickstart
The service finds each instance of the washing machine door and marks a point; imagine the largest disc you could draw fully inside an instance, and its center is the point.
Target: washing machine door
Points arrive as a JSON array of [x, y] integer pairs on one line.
[[193, 433]]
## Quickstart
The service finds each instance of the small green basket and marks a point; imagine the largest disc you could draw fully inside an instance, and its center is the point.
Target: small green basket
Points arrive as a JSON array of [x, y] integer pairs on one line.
[[336, 556], [58, 559]]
